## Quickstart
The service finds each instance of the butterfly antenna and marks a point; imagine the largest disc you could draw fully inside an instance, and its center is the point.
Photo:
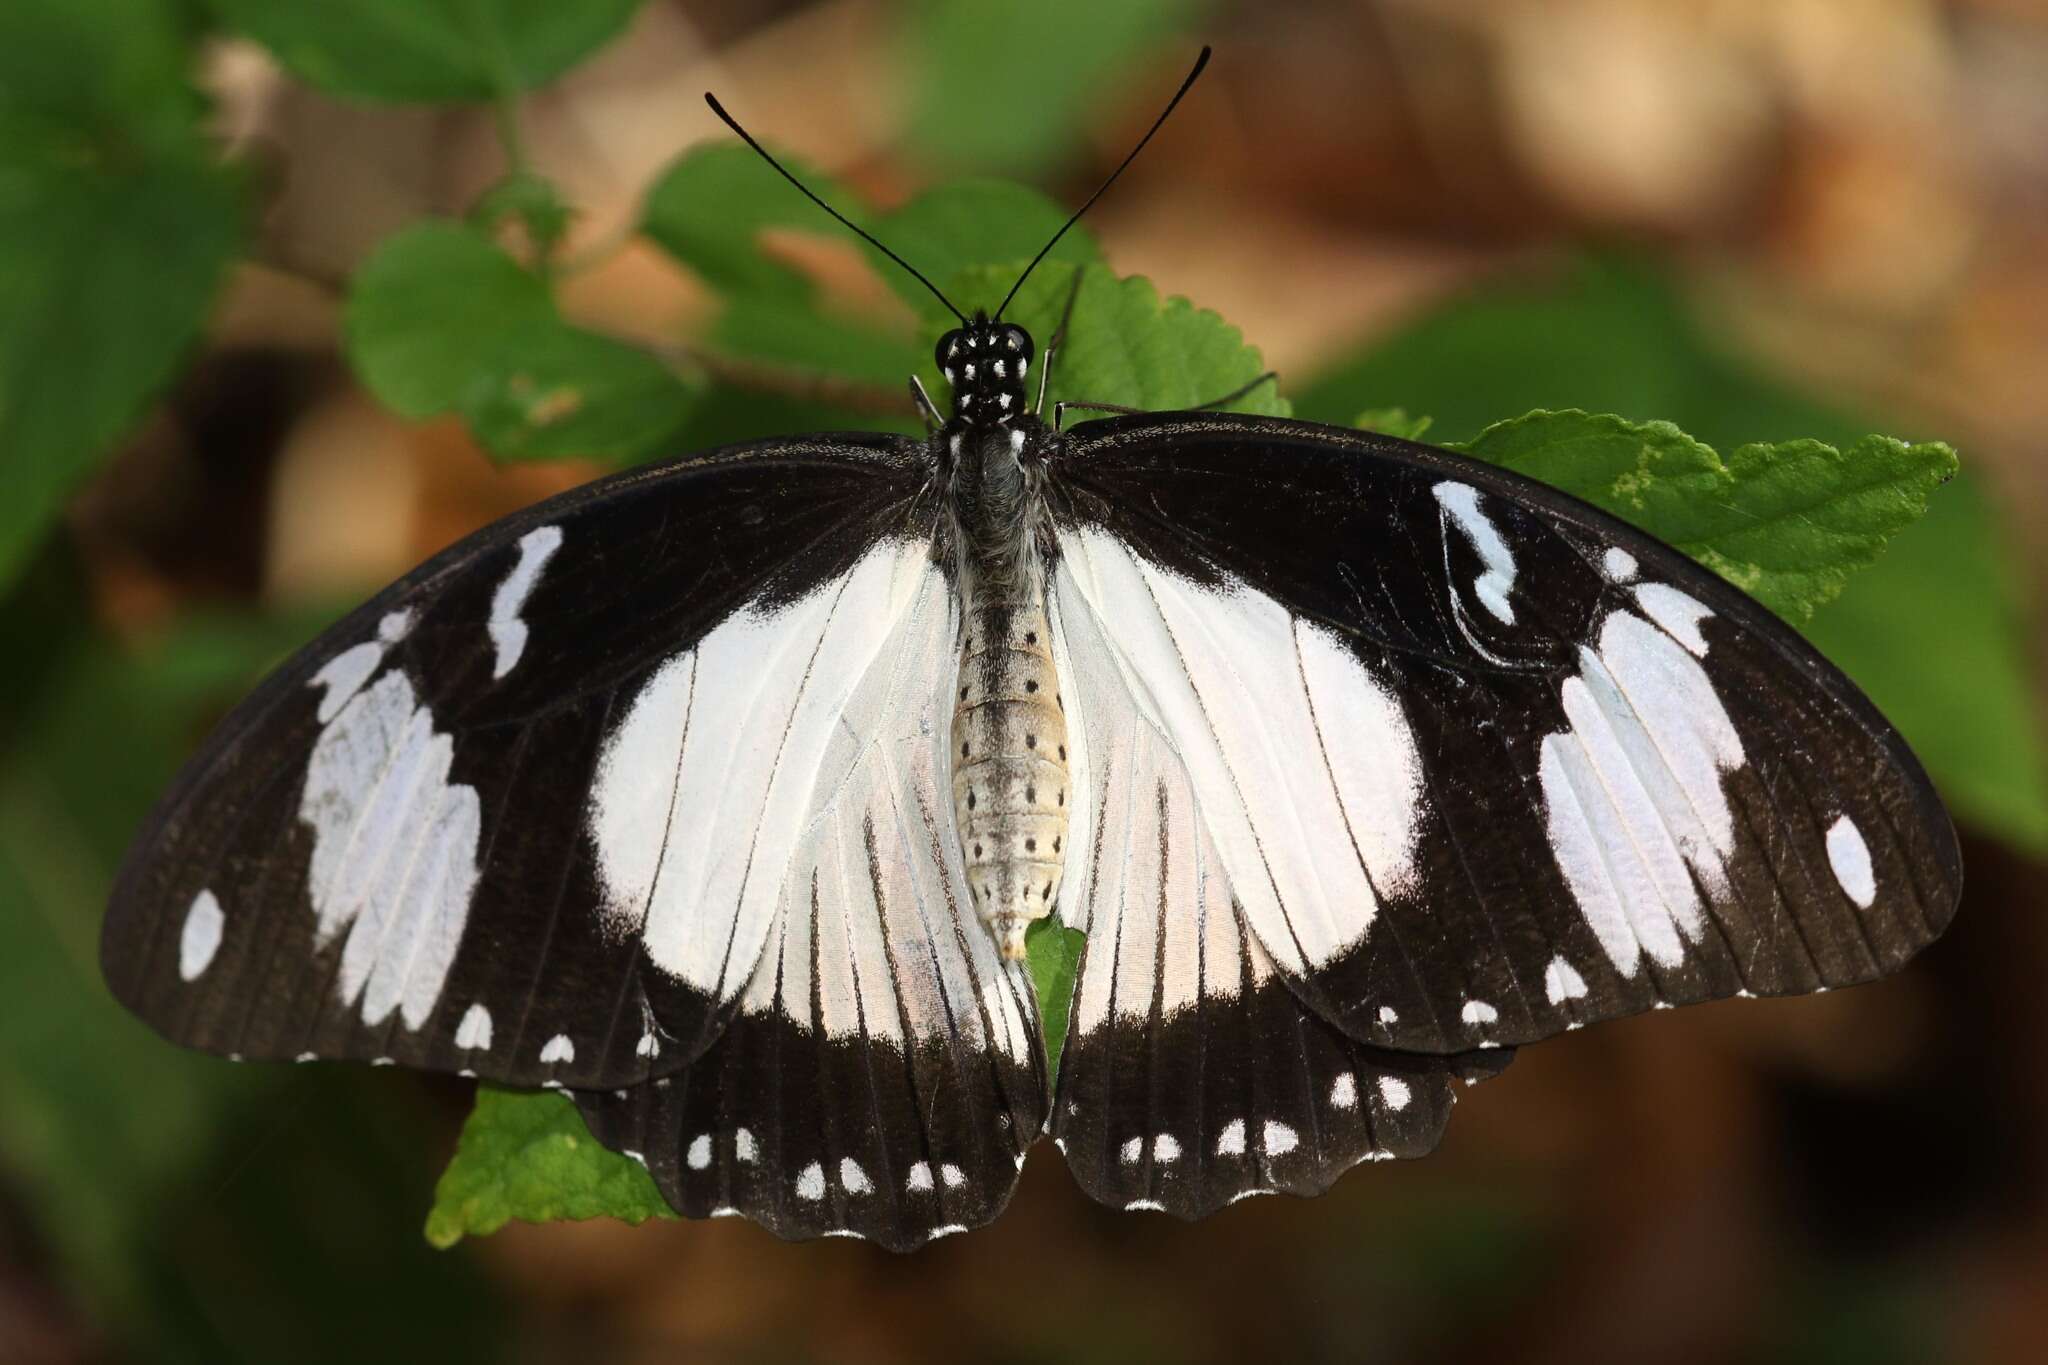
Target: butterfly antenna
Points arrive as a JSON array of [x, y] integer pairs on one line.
[[848, 223], [1200, 62]]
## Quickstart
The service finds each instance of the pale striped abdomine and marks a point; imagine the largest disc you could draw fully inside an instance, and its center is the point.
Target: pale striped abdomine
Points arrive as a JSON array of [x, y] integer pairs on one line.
[[1010, 777]]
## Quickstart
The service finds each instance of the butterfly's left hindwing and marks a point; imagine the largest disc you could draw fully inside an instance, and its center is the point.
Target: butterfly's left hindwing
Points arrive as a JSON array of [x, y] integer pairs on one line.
[[500, 820], [1480, 762]]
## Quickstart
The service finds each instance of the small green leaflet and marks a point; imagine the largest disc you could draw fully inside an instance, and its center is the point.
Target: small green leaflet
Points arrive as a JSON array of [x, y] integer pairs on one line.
[[1786, 521]]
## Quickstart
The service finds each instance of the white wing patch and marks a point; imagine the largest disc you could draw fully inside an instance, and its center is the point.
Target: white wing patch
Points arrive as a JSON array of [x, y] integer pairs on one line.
[[394, 850], [507, 631], [866, 930], [710, 787], [473, 1034], [1633, 793], [1460, 502], [1296, 755]]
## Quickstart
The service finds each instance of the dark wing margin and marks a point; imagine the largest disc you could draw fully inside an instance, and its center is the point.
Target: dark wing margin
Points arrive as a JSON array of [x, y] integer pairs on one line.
[[1483, 762], [384, 852]]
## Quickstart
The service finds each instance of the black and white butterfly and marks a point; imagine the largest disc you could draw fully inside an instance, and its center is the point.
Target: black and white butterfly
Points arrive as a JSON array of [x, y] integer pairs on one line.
[[720, 795]]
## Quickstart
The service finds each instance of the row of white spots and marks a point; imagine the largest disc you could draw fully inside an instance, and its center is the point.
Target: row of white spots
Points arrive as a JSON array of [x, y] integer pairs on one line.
[[1461, 502], [1479, 1014], [1634, 800], [508, 633], [920, 1177]]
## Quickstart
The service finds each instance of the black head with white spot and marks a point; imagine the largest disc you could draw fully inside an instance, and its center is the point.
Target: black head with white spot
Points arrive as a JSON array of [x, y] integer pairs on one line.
[[987, 363]]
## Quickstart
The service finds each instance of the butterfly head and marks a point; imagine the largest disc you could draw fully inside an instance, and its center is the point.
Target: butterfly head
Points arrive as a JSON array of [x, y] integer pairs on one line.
[[987, 364]]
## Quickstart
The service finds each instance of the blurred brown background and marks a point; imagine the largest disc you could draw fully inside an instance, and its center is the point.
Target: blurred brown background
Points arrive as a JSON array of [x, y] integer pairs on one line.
[[1850, 195]]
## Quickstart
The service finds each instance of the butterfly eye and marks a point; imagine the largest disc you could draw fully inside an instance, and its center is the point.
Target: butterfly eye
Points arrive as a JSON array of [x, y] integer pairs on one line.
[[947, 353]]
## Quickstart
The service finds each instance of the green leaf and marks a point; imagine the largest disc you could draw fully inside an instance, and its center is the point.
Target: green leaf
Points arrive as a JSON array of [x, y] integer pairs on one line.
[[1125, 344], [1053, 952], [526, 1154], [116, 228], [1785, 522], [793, 336], [428, 49], [428, 313], [1393, 422], [710, 207], [440, 320], [532, 201], [552, 392], [1009, 87], [955, 227]]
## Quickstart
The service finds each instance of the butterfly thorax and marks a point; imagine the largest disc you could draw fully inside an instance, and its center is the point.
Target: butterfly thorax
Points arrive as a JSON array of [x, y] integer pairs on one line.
[[1009, 747]]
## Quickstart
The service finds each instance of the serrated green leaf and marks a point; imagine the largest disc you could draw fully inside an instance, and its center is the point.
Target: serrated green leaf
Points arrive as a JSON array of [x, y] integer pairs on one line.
[[957, 226], [526, 1154], [1030, 76], [427, 49], [552, 392], [1053, 952], [117, 226], [1393, 422], [710, 207], [1125, 345], [1786, 522], [791, 335], [428, 313]]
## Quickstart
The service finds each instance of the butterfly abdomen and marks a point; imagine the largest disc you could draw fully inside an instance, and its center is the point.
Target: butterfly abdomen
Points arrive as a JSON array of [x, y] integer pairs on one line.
[[1010, 780]]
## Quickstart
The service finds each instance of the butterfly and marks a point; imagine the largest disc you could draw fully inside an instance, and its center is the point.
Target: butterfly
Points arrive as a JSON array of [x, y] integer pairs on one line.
[[722, 795]]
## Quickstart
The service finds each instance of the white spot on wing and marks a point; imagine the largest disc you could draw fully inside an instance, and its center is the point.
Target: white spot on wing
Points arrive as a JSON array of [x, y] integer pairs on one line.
[[810, 1183], [1277, 1139], [744, 1147], [473, 1034], [1479, 1014], [395, 625], [1461, 501], [344, 675], [1849, 856], [853, 1178], [557, 1051], [1131, 1151], [1395, 1092], [1387, 1016], [1144, 1206], [1165, 1149], [1619, 564], [507, 631], [1678, 614], [648, 1046], [699, 1155], [1344, 1092], [1562, 982], [1230, 1142], [920, 1177], [952, 1175], [200, 939]]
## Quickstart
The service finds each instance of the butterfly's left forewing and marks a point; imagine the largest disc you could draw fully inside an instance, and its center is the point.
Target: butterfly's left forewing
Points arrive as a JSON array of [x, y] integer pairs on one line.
[[527, 814], [1482, 763]]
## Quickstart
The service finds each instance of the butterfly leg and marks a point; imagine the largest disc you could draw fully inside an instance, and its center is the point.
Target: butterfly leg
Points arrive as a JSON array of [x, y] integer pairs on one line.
[[925, 407], [1059, 409]]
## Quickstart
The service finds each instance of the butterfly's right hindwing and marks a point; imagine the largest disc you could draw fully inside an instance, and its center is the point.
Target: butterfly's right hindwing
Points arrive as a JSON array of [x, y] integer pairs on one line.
[[457, 830]]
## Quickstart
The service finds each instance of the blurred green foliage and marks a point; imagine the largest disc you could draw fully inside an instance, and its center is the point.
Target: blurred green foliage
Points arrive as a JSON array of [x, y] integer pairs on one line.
[[212, 1212]]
